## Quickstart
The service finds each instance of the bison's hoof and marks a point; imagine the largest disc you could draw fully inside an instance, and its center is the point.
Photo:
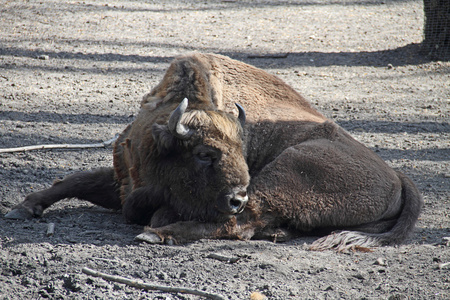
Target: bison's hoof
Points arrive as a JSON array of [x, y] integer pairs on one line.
[[19, 214], [149, 237]]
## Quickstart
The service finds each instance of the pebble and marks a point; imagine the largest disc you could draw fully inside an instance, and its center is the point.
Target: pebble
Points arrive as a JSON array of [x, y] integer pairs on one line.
[[359, 276], [380, 261], [446, 241], [50, 229], [71, 283], [162, 276], [444, 266], [257, 296]]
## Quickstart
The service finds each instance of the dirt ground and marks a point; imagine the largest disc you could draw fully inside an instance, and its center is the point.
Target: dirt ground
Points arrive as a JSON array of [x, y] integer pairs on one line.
[[75, 71]]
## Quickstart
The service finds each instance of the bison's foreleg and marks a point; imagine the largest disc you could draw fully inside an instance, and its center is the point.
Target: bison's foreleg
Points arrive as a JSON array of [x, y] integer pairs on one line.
[[98, 187], [189, 231], [143, 206]]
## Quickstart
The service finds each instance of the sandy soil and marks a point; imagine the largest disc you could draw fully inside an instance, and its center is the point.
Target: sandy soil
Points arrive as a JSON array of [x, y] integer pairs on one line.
[[75, 71]]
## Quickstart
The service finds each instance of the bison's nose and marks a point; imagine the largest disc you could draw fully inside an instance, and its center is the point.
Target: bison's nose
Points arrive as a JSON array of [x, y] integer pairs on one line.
[[237, 201]]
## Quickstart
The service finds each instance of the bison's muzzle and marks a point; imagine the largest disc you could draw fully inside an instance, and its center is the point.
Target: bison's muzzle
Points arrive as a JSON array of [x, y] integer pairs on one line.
[[232, 202]]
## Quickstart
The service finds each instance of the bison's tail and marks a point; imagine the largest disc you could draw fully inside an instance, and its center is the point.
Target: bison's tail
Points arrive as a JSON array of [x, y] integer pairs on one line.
[[404, 225]]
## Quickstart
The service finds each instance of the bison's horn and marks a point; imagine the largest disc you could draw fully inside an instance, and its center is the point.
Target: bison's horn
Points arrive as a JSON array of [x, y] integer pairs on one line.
[[242, 115], [175, 127]]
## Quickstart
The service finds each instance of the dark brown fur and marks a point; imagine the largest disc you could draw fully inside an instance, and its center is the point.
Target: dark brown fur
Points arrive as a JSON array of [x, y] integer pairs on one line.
[[302, 172]]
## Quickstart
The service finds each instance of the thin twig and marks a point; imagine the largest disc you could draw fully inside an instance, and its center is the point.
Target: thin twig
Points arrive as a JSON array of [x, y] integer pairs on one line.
[[61, 146], [147, 286]]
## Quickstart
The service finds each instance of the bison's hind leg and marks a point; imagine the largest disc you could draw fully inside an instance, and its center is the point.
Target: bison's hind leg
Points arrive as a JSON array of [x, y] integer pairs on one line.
[[98, 187]]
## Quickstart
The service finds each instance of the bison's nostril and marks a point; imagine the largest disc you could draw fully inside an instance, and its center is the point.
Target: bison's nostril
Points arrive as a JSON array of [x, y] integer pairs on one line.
[[235, 204]]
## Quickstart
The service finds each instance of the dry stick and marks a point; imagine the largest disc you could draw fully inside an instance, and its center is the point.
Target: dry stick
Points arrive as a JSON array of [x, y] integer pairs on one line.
[[61, 146], [147, 286]]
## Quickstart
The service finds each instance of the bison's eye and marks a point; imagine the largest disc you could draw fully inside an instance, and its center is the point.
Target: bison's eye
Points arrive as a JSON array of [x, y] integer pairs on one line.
[[205, 157]]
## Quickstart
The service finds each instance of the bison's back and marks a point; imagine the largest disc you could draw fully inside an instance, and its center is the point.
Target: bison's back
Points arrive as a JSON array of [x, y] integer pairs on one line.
[[218, 82]]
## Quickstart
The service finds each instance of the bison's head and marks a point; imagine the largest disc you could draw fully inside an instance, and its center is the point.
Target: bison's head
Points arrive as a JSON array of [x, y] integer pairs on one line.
[[201, 164]]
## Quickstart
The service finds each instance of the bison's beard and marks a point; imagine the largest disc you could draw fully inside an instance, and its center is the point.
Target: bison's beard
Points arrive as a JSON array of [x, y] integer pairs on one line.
[[198, 209]]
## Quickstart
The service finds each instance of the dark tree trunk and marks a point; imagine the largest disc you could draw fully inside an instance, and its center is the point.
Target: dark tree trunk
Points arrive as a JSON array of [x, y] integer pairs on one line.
[[436, 41]]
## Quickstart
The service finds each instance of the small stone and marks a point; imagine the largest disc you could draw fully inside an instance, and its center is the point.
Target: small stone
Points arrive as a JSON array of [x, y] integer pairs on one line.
[[257, 296], [71, 283], [359, 276], [26, 281], [44, 294], [446, 241], [169, 242], [183, 274], [380, 261], [444, 266], [50, 229], [162, 276]]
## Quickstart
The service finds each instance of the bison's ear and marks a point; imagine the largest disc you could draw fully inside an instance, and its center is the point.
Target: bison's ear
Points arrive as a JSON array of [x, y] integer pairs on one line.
[[164, 140]]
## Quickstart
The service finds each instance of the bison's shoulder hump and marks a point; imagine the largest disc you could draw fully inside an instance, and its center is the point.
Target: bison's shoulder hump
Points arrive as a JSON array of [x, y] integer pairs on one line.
[[327, 130]]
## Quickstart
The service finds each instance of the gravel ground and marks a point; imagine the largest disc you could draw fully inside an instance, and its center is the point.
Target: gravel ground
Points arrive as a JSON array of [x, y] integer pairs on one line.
[[75, 71]]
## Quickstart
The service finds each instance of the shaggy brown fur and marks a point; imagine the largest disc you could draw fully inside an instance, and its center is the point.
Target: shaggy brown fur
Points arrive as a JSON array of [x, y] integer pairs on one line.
[[301, 171]]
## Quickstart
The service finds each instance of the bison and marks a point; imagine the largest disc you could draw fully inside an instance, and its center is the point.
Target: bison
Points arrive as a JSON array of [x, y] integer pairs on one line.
[[195, 165]]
